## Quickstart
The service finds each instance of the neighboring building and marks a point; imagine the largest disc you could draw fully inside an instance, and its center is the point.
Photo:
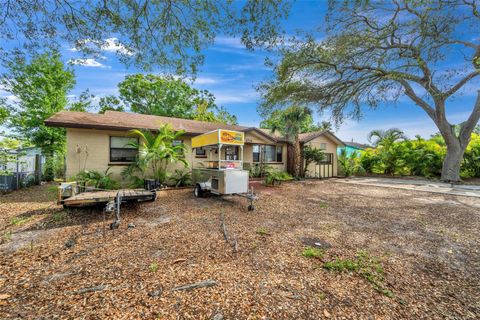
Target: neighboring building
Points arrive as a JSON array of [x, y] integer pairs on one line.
[[98, 141], [323, 140], [352, 147]]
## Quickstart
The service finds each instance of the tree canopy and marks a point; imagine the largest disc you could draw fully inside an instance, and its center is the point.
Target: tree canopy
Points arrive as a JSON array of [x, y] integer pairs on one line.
[[171, 97], [40, 87], [276, 119], [167, 34], [377, 51]]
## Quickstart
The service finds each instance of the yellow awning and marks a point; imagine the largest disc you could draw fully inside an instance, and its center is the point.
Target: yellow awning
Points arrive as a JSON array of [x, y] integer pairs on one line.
[[219, 136]]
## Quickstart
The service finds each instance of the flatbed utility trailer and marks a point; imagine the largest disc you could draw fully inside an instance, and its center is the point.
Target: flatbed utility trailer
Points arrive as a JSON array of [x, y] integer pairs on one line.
[[221, 176], [73, 194]]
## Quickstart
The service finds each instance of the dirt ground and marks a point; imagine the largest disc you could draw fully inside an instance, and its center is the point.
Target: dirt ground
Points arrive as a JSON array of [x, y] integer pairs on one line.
[[422, 249]]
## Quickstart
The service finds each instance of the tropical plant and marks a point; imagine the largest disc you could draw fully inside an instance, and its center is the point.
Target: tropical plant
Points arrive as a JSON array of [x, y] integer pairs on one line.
[[182, 178], [471, 160], [389, 151], [290, 126], [97, 179], [276, 177], [156, 152], [312, 155], [349, 163], [423, 157], [377, 52]]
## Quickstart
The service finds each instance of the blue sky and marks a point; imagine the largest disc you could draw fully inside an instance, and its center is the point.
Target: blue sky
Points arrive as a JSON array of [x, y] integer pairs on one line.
[[231, 73]]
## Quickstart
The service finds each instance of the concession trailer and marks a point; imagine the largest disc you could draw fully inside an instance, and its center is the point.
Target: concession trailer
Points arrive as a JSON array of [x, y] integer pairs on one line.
[[221, 173]]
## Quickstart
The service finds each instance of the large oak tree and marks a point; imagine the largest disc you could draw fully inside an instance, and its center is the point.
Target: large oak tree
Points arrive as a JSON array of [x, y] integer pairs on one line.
[[377, 51]]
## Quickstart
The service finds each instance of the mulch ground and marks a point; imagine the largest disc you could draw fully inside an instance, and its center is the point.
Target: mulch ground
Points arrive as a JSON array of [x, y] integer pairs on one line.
[[58, 263]]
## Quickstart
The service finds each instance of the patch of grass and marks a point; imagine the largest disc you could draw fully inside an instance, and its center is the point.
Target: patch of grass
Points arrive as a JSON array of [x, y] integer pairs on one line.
[[7, 236], [153, 267], [262, 231], [61, 217], [322, 295], [323, 205], [18, 221], [366, 266], [340, 265], [311, 252]]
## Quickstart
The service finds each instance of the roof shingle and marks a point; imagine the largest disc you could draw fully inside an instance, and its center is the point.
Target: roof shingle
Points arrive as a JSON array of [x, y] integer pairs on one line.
[[115, 120]]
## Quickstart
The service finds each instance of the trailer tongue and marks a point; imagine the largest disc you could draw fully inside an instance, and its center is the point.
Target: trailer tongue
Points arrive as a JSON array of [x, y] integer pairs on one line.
[[222, 172]]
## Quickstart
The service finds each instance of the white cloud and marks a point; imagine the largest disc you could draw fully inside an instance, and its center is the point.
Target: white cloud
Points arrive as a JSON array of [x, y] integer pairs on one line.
[[87, 62], [12, 98], [224, 97], [205, 80], [231, 42], [114, 45], [108, 45]]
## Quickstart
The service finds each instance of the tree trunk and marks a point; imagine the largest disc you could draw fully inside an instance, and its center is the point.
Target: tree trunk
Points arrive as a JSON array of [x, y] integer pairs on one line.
[[452, 163], [298, 158]]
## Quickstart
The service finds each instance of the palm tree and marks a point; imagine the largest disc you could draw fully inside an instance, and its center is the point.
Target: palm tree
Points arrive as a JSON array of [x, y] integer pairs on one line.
[[291, 126], [386, 138], [388, 150], [157, 151]]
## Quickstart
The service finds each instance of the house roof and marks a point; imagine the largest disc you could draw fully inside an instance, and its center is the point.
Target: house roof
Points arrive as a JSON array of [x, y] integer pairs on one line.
[[355, 145], [115, 120], [309, 136]]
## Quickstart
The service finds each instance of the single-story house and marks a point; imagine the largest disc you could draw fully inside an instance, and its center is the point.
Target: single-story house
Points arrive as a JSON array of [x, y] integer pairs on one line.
[[351, 147], [98, 141]]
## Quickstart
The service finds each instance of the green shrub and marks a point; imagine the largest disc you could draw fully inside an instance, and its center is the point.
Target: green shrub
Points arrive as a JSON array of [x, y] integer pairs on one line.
[[98, 179], [471, 159], [255, 171], [49, 169], [349, 163], [181, 178], [276, 177]]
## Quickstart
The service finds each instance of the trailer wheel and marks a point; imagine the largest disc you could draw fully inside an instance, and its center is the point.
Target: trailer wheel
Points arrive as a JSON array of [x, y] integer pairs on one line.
[[198, 192]]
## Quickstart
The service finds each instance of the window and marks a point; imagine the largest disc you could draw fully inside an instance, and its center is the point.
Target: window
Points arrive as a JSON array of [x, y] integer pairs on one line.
[[123, 149], [323, 146], [256, 153], [279, 154], [327, 158], [231, 153], [200, 153], [267, 153], [270, 153]]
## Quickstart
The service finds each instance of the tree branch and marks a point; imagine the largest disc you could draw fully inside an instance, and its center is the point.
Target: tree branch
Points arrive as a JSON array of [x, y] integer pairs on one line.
[[461, 83], [471, 122], [419, 101]]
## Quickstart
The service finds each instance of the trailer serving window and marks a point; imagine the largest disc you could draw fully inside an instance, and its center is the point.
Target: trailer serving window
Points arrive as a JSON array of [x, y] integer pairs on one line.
[[123, 149]]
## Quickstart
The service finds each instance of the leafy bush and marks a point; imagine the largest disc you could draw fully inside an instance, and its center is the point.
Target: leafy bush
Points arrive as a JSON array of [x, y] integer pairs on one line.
[[49, 169], [350, 163], [182, 178], [98, 179], [276, 177], [471, 159], [312, 155], [255, 171]]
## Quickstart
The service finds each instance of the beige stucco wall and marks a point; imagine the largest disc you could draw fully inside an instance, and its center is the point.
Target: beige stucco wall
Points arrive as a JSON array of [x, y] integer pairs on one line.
[[331, 147], [97, 157]]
